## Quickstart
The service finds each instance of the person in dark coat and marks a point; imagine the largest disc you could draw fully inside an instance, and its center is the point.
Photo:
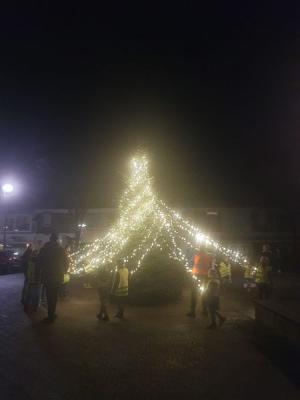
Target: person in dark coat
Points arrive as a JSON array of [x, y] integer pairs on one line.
[[52, 261], [24, 267]]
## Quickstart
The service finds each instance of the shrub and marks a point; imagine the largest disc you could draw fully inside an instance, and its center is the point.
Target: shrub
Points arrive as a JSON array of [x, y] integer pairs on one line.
[[159, 280]]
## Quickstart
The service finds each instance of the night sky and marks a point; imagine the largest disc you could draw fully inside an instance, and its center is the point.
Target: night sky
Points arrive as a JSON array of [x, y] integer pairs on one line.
[[211, 93]]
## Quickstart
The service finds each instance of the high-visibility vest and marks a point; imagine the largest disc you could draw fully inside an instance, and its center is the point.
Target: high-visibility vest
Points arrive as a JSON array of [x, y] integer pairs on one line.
[[202, 262], [262, 274], [122, 289], [225, 270], [195, 269], [248, 272]]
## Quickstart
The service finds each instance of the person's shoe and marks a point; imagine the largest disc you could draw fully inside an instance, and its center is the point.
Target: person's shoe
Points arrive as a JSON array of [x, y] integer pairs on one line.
[[222, 320], [99, 316], [105, 318], [212, 326], [50, 320], [191, 315], [120, 316], [204, 313]]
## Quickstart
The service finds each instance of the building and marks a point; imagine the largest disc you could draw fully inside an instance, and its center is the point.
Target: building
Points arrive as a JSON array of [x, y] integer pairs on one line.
[[243, 228], [18, 229], [248, 228]]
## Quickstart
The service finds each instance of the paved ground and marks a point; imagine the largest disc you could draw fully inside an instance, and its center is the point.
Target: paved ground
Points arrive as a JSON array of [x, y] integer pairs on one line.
[[157, 354]]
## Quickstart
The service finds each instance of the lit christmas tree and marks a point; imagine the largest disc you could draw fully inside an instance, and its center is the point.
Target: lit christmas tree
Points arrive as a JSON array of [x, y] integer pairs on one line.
[[145, 223]]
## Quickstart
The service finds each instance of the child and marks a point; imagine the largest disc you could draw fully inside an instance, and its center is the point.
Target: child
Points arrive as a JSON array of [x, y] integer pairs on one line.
[[120, 289], [33, 285], [212, 297], [103, 285]]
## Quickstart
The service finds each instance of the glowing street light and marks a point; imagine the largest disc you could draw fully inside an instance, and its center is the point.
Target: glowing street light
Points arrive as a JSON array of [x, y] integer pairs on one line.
[[7, 188]]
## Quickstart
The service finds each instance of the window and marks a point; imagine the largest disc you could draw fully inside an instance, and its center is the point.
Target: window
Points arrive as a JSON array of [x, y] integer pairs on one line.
[[258, 221], [212, 221], [283, 222], [22, 223], [46, 220], [10, 222]]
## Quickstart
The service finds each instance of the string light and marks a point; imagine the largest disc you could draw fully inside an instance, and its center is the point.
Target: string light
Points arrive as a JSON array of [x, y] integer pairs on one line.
[[146, 219]]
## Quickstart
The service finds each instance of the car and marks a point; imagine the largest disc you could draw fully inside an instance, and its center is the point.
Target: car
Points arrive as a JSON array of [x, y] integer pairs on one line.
[[9, 261]]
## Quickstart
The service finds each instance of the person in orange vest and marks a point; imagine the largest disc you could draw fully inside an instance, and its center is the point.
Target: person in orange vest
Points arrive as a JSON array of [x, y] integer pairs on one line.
[[202, 262]]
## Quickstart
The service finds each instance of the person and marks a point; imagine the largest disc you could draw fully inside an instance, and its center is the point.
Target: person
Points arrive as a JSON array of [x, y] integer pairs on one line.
[[25, 257], [248, 276], [225, 272], [267, 252], [263, 278], [202, 262], [120, 289], [212, 299], [24, 266], [103, 285], [33, 286], [53, 263]]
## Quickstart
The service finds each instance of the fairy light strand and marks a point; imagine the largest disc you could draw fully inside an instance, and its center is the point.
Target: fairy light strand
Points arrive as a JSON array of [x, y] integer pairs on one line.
[[144, 215]]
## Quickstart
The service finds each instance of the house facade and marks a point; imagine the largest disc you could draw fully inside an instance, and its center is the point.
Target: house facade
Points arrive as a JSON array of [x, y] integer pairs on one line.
[[242, 228]]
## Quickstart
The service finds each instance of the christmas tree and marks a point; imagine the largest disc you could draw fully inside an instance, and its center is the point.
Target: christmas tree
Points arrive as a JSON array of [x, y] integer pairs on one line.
[[145, 223]]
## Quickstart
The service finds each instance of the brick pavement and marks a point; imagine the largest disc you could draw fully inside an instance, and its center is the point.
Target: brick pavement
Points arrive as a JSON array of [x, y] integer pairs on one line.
[[157, 353]]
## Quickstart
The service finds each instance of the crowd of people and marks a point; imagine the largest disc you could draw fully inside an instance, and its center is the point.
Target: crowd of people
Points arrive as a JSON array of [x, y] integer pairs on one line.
[[211, 276], [46, 276], [214, 276], [44, 273]]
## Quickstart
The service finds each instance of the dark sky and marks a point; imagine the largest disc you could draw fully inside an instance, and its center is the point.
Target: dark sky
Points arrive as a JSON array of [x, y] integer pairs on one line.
[[212, 93]]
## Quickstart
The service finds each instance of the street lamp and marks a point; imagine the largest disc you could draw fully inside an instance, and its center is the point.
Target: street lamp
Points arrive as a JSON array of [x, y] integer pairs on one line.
[[7, 189]]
